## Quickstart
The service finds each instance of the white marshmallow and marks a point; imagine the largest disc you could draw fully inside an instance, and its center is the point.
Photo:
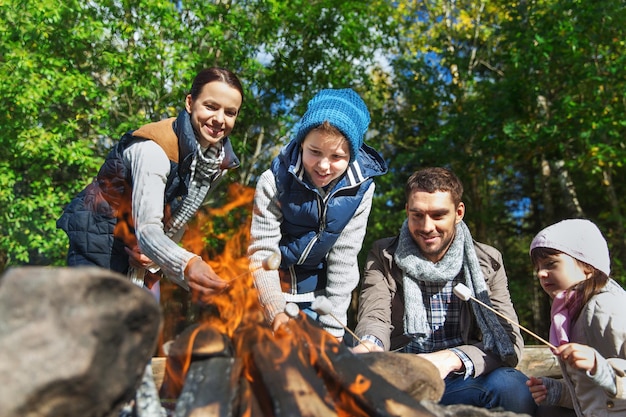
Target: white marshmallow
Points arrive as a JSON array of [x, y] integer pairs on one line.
[[292, 310], [272, 262], [322, 305], [462, 291]]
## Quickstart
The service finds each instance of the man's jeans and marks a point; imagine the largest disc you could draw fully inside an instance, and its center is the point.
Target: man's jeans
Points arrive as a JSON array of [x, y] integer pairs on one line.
[[503, 387]]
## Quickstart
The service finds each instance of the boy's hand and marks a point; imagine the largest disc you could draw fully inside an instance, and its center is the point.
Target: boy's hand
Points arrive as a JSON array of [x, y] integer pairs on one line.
[[279, 320]]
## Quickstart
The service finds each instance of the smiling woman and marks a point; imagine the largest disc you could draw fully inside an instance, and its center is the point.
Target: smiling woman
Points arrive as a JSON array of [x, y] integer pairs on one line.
[[130, 218], [213, 112]]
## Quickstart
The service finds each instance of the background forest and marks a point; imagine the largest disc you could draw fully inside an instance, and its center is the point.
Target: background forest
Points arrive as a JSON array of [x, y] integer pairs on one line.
[[524, 100]]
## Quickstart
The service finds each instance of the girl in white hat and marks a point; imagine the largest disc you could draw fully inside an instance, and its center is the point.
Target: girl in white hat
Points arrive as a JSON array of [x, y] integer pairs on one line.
[[588, 326]]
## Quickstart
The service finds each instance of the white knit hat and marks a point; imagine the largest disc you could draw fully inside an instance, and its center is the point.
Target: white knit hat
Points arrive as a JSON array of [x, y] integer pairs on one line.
[[578, 238]]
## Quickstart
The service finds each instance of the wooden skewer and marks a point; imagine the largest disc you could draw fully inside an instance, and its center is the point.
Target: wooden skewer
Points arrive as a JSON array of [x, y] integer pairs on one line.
[[322, 306], [271, 263], [464, 293], [357, 338]]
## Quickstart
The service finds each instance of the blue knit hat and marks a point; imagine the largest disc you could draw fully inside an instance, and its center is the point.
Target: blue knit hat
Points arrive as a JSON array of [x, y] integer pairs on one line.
[[343, 109]]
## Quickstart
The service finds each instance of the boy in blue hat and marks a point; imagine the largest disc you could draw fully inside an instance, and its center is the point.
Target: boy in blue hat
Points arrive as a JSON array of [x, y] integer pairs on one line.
[[312, 207]]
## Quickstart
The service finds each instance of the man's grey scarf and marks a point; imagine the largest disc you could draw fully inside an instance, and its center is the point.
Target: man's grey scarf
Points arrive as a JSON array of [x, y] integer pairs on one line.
[[461, 254]]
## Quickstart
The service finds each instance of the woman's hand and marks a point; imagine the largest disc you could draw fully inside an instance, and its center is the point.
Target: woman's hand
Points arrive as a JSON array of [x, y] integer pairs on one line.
[[537, 389], [202, 279], [137, 259]]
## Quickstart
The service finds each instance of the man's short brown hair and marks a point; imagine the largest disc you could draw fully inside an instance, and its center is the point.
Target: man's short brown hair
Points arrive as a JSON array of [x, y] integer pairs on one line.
[[434, 179]]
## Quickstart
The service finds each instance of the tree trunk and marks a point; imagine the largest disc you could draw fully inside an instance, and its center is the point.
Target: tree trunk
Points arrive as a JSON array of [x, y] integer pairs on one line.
[[568, 190], [618, 252]]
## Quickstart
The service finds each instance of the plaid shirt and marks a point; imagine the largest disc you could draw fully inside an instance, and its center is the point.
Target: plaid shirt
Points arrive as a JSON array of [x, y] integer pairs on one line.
[[443, 311]]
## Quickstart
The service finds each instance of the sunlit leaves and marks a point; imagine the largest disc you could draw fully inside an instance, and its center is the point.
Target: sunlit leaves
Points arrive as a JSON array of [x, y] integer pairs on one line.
[[490, 88], [76, 75]]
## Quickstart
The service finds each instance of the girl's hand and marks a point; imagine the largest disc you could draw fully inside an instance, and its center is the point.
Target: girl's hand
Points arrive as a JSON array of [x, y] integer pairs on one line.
[[579, 356], [537, 389]]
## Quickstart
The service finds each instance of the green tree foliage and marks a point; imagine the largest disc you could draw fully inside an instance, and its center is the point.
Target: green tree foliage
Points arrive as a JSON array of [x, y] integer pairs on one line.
[[564, 63], [44, 99], [77, 75], [524, 100], [528, 110]]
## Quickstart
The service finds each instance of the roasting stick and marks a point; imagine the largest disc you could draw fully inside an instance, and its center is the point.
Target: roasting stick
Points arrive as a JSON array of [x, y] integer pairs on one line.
[[465, 294], [323, 306], [270, 263]]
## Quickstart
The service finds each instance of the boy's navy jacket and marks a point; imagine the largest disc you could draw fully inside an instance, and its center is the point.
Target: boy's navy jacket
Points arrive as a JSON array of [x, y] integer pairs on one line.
[[311, 222]]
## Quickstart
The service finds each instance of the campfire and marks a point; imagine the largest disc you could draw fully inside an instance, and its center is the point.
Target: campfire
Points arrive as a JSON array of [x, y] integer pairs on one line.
[[299, 371], [75, 342], [230, 363]]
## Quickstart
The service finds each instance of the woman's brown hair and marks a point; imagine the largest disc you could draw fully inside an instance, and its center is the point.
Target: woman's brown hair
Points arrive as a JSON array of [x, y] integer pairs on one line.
[[214, 74]]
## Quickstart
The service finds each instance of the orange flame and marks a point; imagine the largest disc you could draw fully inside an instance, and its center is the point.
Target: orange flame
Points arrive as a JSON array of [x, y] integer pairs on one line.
[[220, 236], [240, 316]]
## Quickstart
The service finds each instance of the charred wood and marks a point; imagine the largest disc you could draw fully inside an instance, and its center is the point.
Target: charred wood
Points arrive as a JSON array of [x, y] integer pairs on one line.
[[292, 385], [211, 389], [412, 374], [355, 382], [197, 342]]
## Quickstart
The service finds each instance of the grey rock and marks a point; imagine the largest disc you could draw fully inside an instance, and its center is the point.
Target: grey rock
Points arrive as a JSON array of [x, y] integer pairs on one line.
[[73, 341]]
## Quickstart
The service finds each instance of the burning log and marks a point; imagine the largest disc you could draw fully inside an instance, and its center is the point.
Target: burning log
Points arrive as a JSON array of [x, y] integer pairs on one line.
[[211, 388], [197, 342], [360, 390], [301, 370], [409, 373], [293, 387]]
